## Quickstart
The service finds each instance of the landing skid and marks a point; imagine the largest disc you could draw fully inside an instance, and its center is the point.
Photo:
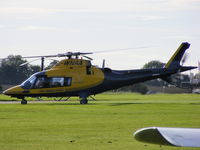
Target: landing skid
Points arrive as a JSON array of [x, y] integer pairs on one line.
[[82, 101]]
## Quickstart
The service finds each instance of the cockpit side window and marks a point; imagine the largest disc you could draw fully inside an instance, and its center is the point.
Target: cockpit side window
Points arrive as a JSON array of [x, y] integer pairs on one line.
[[42, 82]]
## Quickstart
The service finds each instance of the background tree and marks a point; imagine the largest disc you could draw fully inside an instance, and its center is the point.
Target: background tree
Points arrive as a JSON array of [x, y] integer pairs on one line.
[[34, 69], [154, 64], [177, 79], [197, 75], [54, 62], [12, 73], [0, 87]]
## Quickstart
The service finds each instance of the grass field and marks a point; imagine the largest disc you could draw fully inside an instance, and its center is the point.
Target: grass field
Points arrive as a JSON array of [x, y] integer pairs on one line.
[[105, 124]]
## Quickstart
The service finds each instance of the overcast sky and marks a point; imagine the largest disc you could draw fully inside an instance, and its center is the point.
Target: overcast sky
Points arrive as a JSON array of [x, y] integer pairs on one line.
[[43, 27]]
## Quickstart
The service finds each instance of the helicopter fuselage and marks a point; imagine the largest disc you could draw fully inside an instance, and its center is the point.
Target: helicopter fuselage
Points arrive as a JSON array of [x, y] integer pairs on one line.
[[77, 77]]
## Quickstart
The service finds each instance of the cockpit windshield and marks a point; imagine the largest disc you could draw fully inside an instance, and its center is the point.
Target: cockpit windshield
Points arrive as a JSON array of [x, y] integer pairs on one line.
[[27, 84]]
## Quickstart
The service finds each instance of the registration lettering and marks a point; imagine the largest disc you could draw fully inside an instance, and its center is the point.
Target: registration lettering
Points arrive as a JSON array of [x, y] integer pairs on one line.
[[73, 63]]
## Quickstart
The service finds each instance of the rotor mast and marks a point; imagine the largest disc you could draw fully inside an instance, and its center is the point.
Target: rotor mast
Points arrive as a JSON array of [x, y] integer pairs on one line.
[[42, 63]]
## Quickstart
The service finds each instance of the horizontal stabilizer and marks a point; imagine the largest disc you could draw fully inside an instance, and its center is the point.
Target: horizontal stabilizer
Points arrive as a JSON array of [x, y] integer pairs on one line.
[[182, 137]]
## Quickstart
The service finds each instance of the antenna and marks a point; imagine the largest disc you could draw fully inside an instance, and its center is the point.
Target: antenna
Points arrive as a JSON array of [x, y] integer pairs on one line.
[[103, 65]]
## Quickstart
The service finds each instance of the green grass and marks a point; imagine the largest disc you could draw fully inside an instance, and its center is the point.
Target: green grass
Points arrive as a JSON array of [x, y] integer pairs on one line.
[[105, 124]]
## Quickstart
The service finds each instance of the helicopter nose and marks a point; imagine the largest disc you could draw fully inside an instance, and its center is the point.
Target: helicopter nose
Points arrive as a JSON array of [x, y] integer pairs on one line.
[[6, 92], [13, 90]]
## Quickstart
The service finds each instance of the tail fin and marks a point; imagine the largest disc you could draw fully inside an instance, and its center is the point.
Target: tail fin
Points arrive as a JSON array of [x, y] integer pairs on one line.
[[174, 61]]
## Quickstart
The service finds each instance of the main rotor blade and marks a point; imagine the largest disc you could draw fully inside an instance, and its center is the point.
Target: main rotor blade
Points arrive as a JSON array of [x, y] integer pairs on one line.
[[28, 62], [61, 55], [87, 57], [40, 56], [69, 54], [122, 49]]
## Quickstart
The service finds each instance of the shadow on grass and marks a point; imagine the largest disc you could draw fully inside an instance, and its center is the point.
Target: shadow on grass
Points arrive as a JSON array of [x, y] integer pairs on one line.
[[120, 104], [194, 103], [9, 100], [70, 104], [66, 103]]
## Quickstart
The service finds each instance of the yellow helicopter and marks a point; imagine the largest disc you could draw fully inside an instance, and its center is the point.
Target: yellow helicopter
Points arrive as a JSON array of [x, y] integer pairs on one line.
[[75, 76]]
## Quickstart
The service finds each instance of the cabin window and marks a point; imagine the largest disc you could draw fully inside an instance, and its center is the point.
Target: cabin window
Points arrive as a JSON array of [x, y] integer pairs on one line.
[[60, 81], [56, 82], [88, 70], [44, 82], [68, 81]]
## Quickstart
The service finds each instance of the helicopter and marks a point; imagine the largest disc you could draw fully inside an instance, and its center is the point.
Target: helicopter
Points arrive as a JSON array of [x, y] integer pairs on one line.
[[75, 76]]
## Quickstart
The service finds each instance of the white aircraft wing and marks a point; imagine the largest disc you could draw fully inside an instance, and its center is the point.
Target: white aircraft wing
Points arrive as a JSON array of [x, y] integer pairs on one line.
[[183, 137]]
